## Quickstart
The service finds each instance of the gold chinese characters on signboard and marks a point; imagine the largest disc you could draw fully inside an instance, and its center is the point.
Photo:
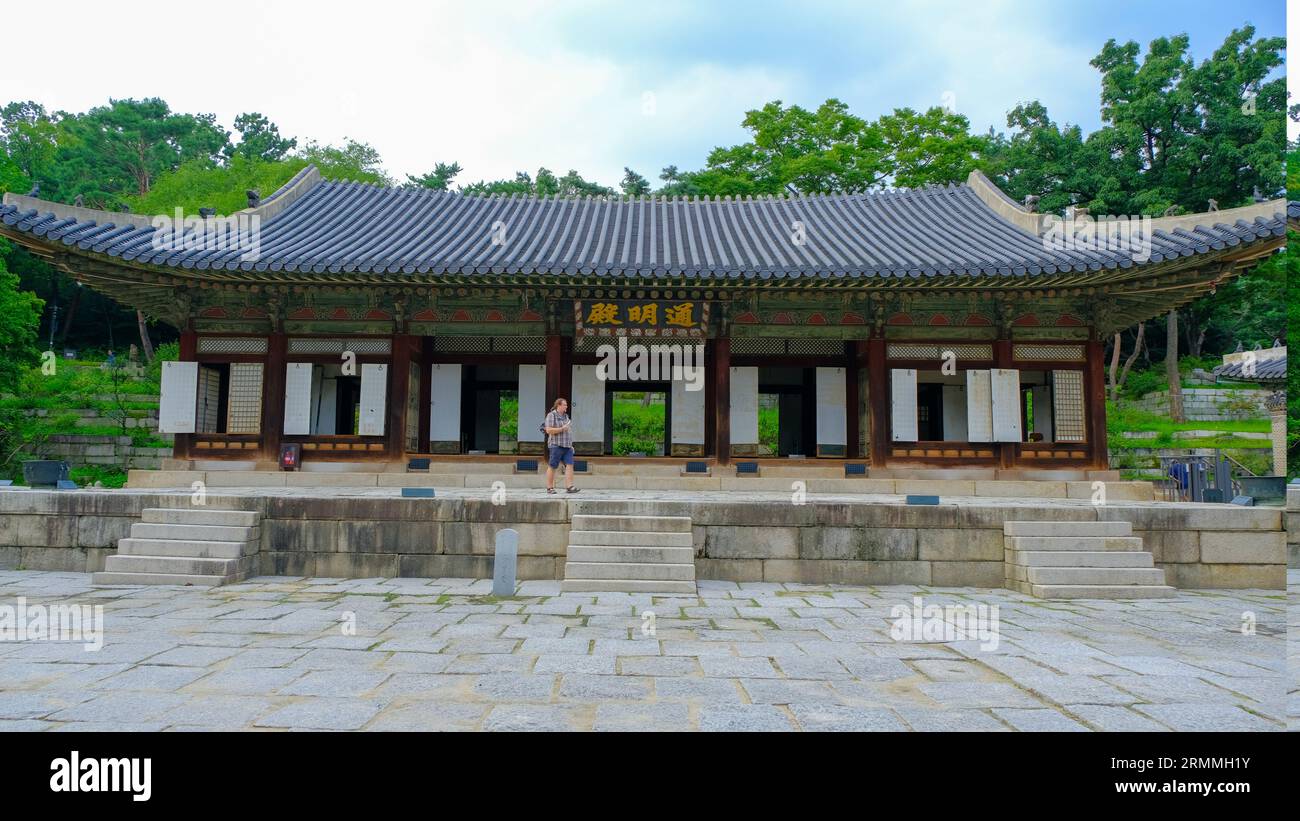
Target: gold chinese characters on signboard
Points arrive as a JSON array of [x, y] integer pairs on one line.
[[654, 317]]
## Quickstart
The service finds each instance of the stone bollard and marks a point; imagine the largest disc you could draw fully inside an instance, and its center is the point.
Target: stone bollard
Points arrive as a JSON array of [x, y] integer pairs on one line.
[[503, 567]]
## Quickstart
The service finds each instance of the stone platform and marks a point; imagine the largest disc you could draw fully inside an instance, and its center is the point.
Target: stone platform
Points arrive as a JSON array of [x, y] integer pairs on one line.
[[739, 536]]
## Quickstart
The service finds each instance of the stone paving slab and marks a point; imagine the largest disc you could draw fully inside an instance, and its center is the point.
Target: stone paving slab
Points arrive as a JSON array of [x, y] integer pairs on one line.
[[275, 653]]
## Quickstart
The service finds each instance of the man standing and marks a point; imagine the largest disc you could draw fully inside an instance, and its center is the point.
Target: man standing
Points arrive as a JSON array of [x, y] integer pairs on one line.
[[559, 440]]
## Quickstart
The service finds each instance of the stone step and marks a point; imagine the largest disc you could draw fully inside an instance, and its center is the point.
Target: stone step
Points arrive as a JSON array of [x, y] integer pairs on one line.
[[1067, 528], [1101, 591], [178, 566], [629, 570], [657, 586], [1095, 575], [104, 577], [641, 538], [200, 533], [185, 548], [1073, 543], [200, 516], [628, 553], [658, 524], [1079, 558]]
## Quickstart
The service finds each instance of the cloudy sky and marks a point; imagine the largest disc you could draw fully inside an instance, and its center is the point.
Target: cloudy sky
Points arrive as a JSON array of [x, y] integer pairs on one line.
[[501, 87]]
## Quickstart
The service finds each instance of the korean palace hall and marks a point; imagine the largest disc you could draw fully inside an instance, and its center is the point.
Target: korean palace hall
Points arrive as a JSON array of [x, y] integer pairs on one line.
[[932, 329]]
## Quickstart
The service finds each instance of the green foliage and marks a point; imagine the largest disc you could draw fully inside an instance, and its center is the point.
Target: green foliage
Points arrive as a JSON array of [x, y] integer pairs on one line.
[[547, 184], [118, 150], [20, 315], [354, 160], [633, 184], [88, 475], [203, 184], [769, 431], [259, 140], [439, 179], [637, 429]]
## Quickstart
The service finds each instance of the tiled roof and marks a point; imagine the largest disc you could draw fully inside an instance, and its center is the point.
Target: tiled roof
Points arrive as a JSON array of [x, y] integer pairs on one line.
[[1266, 370], [344, 227]]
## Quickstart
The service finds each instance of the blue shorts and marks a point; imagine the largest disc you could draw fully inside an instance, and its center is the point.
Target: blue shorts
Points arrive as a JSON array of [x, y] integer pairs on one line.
[[559, 454]]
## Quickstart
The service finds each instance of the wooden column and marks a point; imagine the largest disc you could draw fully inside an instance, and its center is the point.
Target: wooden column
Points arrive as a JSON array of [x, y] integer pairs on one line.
[[554, 369], [182, 442], [398, 388], [1002, 359], [851, 400], [277, 348], [877, 403], [1094, 404], [426, 398], [722, 400]]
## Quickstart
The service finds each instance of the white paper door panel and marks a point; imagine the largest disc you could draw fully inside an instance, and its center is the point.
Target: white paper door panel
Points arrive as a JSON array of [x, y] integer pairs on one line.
[[688, 414], [180, 389], [374, 399], [444, 403], [587, 405], [903, 427], [744, 406], [297, 398], [979, 407], [831, 422], [954, 414], [532, 402], [1006, 404]]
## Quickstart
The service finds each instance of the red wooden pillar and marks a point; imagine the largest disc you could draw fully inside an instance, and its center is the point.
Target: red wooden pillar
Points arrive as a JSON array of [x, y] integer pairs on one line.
[[1094, 401], [854, 358], [277, 348], [189, 345], [878, 403], [426, 390], [559, 368], [1002, 359], [399, 384], [722, 400]]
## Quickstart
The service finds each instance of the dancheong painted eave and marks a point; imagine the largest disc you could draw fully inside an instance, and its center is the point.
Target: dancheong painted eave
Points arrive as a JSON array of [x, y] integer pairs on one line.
[[317, 230]]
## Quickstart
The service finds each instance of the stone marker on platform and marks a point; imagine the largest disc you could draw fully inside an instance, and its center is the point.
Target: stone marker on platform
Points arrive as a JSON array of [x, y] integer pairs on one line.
[[503, 568]]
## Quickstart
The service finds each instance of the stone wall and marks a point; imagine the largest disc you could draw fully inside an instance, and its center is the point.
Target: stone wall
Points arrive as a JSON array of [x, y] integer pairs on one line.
[[1208, 404], [1199, 546], [1292, 521], [102, 450]]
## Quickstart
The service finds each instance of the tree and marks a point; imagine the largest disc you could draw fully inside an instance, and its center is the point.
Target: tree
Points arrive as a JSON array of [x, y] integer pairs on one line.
[[29, 137], [1171, 369], [1117, 377], [547, 184], [633, 184], [439, 179], [354, 160], [20, 316], [677, 183], [118, 150], [259, 139]]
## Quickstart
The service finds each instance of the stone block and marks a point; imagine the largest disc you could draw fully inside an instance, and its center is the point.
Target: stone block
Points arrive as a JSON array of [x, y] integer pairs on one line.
[[960, 545], [966, 574], [356, 565], [860, 544], [547, 539], [1237, 547], [942, 487], [730, 542], [1226, 576], [845, 572], [1021, 490], [729, 570], [299, 536], [38, 530], [102, 531], [1174, 546], [388, 537]]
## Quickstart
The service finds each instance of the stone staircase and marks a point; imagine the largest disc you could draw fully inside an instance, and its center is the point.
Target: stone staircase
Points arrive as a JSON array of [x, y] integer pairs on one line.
[[192, 546], [630, 554], [1080, 560]]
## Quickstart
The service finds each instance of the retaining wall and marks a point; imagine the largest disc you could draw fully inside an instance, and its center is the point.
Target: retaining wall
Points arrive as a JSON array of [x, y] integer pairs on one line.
[[958, 544]]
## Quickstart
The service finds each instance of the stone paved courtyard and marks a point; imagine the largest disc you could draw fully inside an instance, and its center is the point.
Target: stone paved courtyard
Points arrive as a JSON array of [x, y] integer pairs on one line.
[[441, 654]]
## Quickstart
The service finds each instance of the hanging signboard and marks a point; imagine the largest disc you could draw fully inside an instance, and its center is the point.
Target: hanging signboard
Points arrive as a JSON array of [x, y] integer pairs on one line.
[[641, 317]]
